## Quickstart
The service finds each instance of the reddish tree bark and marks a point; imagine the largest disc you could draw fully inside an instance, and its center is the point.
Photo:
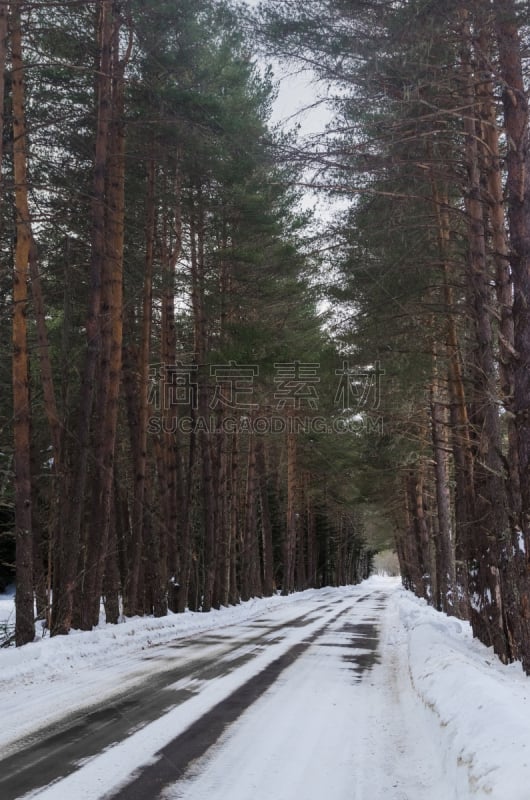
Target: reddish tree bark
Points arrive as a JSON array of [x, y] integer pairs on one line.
[[112, 337], [139, 418], [25, 628], [516, 123], [67, 558]]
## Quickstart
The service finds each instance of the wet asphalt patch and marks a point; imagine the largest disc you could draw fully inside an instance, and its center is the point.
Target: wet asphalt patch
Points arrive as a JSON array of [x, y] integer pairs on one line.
[[365, 637]]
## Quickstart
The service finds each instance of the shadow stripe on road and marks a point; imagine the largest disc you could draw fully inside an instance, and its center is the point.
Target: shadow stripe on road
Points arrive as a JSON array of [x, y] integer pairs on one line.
[[55, 751], [173, 760]]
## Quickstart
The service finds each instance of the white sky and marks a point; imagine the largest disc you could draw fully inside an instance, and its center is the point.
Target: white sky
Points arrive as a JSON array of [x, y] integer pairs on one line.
[[298, 92]]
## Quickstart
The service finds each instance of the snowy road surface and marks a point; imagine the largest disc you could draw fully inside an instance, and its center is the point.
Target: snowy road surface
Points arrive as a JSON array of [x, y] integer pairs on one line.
[[326, 694]]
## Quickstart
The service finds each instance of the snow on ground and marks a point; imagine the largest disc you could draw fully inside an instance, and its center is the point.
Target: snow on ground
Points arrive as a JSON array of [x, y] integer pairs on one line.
[[44, 680], [7, 607], [439, 718], [332, 733], [481, 706], [51, 658]]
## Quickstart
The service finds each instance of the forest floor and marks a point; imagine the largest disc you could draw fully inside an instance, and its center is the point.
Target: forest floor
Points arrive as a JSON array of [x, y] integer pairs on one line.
[[357, 693]]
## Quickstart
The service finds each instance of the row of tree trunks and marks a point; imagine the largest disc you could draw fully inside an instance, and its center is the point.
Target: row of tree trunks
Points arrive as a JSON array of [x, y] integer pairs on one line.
[[130, 515], [491, 519], [490, 453]]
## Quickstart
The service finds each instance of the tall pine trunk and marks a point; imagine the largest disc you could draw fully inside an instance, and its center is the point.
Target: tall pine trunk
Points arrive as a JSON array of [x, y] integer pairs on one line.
[[140, 416], [25, 627], [491, 521], [4, 12], [66, 578], [198, 282], [112, 340], [516, 123], [459, 439]]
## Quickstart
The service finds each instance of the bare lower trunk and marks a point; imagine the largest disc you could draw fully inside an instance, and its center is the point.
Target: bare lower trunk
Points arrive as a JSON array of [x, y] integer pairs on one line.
[[250, 569], [291, 523], [111, 582], [266, 523], [446, 569]]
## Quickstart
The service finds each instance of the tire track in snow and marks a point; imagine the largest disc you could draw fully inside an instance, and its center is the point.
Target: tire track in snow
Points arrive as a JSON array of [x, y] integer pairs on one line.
[[58, 750], [174, 759]]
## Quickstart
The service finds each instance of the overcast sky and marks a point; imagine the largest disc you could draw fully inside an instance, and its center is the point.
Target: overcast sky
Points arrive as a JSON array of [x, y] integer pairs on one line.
[[297, 95]]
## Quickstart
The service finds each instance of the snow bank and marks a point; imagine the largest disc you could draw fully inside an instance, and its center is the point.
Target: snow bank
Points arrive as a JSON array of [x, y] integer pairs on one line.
[[482, 706]]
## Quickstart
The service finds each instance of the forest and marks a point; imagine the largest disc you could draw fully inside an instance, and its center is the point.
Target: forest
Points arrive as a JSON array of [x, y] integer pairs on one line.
[[212, 392]]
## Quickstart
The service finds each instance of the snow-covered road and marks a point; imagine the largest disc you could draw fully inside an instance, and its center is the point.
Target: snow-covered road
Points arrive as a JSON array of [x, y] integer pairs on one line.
[[358, 693], [341, 722]]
